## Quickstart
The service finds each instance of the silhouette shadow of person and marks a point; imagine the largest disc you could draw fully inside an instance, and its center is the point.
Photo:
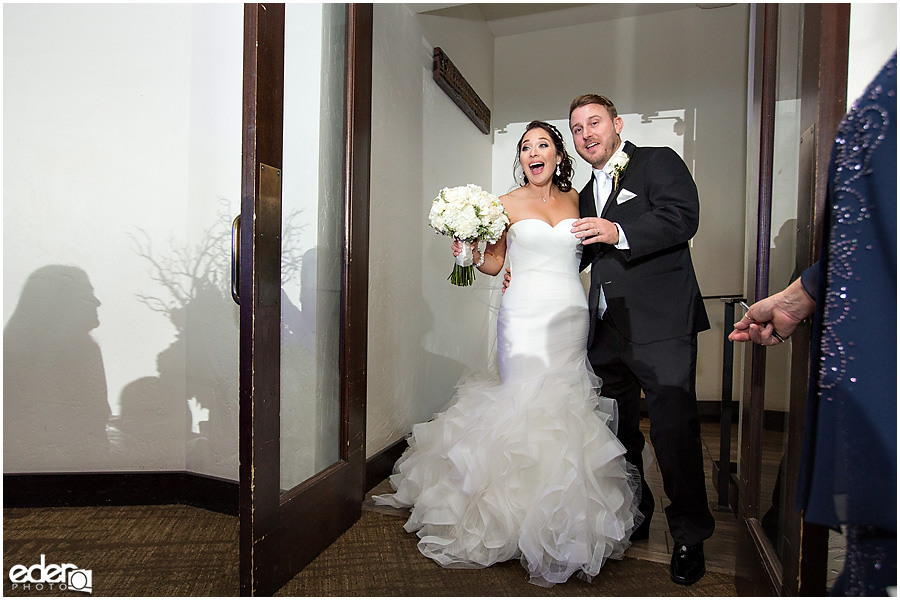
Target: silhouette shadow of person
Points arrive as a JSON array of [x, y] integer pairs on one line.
[[55, 408]]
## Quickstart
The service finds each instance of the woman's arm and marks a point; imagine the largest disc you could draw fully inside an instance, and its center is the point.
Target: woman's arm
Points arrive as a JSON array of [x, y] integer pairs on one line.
[[494, 256]]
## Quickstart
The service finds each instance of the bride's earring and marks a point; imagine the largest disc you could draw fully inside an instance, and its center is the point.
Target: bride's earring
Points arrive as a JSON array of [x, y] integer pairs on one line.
[[557, 170]]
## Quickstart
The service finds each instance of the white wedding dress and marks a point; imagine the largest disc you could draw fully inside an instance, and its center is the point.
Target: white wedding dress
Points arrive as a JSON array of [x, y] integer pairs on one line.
[[526, 467]]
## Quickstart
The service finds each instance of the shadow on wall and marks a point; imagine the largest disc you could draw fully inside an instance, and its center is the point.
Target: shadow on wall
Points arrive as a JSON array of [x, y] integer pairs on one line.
[[192, 401], [56, 414], [191, 404], [55, 408]]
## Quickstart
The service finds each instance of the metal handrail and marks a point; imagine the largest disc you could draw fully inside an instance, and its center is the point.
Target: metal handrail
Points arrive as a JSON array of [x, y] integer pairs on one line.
[[724, 476]]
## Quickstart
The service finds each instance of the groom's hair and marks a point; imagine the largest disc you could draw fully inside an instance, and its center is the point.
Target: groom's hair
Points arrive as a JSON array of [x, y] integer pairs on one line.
[[586, 99]]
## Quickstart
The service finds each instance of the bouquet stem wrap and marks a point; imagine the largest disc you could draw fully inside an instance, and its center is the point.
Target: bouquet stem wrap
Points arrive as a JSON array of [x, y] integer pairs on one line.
[[463, 271]]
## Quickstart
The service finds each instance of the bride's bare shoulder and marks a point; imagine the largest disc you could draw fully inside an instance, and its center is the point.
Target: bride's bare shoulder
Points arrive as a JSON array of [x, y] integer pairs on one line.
[[512, 202], [572, 196], [516, 194]]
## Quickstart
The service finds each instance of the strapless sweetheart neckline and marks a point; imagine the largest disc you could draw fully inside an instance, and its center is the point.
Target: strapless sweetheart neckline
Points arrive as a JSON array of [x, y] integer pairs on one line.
[[544, 222]]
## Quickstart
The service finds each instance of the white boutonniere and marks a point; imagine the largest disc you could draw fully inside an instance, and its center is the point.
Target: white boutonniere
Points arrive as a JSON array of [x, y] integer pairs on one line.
[[615, 166]]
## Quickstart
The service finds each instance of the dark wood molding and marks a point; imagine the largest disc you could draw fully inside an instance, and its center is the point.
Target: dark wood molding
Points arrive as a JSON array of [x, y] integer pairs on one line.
[[751, 464], [262, 126], [826, 32], [147, 488], [831, 100], [355, 292], [449, 79], [766, 151], [281, 533], [22, 490], [766, 553], [380, 465], [752, 576], [802, 565], [775, 420]]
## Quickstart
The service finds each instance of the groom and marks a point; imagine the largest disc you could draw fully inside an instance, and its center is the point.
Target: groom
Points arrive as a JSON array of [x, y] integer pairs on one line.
[[638, 212]]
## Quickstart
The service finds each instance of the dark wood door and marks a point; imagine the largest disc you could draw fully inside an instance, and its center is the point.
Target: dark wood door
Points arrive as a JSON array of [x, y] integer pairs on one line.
[[302, 487], [798, 61]]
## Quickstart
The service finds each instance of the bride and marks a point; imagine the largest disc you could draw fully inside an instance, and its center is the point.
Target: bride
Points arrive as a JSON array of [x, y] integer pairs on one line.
[[526, 467]]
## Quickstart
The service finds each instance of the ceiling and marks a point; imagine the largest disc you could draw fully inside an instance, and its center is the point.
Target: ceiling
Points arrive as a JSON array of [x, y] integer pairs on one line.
[[515, 18]]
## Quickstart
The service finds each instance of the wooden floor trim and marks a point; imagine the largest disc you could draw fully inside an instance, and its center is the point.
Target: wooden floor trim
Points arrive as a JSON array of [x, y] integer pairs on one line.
[[22, 490], [380, 465]]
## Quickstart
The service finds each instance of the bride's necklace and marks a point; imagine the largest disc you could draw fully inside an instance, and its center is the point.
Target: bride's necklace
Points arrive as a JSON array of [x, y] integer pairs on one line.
[[544, 198]]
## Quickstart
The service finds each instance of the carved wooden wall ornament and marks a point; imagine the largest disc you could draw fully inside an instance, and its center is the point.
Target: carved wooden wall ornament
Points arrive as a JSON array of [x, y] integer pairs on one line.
[[455, 85]]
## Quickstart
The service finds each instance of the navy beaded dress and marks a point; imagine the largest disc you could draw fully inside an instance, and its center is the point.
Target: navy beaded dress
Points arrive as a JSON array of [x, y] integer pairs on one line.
[[848, 474]]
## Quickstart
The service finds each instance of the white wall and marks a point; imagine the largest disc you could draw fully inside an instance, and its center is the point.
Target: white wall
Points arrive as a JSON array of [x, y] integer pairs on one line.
[[121, 147], [135, 127], [125, 149], [873, 38], [422, 330], [690, 63]]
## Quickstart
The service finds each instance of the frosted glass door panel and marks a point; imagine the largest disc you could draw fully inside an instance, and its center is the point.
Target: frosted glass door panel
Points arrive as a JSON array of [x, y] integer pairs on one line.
[[312, 213]]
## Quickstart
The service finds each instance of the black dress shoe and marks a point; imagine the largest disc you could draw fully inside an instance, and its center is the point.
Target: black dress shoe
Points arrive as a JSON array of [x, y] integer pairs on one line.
[[688, 564], [642, 532]]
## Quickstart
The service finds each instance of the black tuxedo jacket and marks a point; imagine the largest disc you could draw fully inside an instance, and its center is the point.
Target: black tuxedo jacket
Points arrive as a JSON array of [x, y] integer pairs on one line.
[[651, 289]]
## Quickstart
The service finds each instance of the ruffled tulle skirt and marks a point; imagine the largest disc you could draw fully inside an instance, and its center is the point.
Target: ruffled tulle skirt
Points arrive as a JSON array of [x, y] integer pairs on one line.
[[527, 470]]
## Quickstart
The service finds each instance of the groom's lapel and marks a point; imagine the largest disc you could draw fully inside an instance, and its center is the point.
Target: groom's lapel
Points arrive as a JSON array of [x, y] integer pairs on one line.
[[588, 203], [611, 200]]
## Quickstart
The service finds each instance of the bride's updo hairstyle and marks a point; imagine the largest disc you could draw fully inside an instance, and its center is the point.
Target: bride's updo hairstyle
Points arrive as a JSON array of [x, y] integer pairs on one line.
[[563, 179]]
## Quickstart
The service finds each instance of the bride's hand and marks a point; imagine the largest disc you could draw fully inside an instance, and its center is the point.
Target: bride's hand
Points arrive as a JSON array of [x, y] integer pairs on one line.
[[456, 246]]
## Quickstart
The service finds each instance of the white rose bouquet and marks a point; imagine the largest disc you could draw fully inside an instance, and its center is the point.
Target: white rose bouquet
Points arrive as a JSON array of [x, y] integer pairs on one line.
[[468, 214], [615, 166]]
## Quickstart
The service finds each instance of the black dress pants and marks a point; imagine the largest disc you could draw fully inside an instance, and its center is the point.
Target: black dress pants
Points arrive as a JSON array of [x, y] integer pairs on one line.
[[666, 372]]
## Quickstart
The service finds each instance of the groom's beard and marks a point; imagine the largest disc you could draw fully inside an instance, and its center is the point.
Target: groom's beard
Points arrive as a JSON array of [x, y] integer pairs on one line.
[[599, 161]]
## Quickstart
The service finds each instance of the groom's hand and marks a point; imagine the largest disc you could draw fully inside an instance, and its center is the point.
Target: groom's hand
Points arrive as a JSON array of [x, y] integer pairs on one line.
[[594, 230], [506, 279]]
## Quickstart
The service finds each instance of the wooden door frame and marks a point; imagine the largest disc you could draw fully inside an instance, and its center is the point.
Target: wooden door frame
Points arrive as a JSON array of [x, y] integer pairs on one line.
[[280, 534], [823, 105], [263, 112], [802, 568]]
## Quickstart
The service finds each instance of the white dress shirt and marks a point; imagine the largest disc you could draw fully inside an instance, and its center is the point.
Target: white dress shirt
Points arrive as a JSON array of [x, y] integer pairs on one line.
[[603, 187]]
